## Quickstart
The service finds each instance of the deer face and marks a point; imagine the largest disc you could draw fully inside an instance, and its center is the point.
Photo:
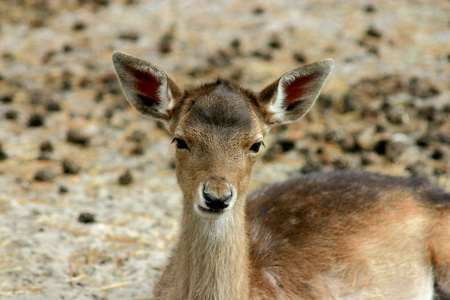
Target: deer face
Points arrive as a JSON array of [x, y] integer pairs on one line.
[[217, 141], [218, 128]]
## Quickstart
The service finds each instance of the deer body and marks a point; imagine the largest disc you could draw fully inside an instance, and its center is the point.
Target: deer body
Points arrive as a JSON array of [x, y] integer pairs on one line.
[[338, 235]]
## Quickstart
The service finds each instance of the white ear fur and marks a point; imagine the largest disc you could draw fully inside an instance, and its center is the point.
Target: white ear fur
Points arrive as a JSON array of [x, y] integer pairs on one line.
[[296, 92], [146, 86]]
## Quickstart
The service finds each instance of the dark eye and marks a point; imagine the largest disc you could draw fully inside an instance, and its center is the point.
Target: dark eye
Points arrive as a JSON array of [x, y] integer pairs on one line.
[[255, 147], [181, 144]]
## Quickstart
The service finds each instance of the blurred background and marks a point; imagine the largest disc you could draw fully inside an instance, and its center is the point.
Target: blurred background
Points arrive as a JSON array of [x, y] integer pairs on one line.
[[88, 196]]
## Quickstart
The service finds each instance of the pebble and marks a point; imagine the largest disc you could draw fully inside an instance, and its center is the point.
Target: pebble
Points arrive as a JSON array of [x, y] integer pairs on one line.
[[129, 36], [286, 145], [138, 150], [275, 42], [341, 164], [11, 114], [126, 178], [310, 166], [373, 32], [370, 8], [86, 218], [166, 42], [70, 167], [137, 136], [76, 137], [63, 189], [46, 146], [53, 106], [299, 57], [364, 139], [36, 120], [3, 154], [6, 99], [44, 175]]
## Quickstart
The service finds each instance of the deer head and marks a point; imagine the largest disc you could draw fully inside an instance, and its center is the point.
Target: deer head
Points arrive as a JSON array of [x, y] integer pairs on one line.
[[218, 128]]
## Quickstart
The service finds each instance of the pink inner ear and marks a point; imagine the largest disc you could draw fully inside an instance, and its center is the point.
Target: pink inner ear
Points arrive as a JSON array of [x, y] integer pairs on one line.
[[297, 89], [146, 86]]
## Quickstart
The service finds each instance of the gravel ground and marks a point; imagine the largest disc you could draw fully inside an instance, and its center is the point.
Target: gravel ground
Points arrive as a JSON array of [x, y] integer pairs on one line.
[[88, 197]]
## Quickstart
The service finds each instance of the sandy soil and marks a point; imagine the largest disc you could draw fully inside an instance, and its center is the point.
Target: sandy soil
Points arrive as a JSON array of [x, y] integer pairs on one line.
[[88, 197]]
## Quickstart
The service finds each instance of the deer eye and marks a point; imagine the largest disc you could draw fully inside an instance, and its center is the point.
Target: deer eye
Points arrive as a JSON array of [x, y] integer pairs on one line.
[[255, 147], [181, 144]]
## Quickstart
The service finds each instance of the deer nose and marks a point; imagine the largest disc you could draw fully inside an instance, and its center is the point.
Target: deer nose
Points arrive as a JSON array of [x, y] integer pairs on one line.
[[217, 202]]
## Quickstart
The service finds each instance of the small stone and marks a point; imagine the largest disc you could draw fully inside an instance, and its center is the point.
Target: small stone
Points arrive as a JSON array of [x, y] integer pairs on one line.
[[129, 36], [36, 120], [137, 136], [75, 137], [310, 166], [258, 10], [373, 32], [166, 42], [236, 44], [437, 154], [263, 55], [63, 189], [53, 106], [364, 139], [286, 145], [44, 175], [368, 158], [46, 146], [69, 167], [138, 150], [397, 115], [424, 141], [341, 164], [78, 26], [3, 154], [299, 57], [67, 48], [6, 99], [86, 218], [126, 178], [275, 42], [109, 113], [381, 147], [370, 8], [348, 144], [99, 97], [11, 114]]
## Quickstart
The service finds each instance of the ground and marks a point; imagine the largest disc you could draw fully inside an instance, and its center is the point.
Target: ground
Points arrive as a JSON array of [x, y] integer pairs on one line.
[[88, 198]]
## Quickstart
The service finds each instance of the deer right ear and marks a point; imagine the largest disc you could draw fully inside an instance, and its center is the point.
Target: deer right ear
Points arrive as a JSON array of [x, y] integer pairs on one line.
[[291, 96], [148, 88]]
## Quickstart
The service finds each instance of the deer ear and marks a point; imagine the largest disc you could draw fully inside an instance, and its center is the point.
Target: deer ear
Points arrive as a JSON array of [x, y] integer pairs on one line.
[[148, 88], [292, 95]]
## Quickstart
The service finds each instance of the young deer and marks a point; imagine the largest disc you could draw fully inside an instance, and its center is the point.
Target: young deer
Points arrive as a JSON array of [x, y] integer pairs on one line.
[[337, 235]]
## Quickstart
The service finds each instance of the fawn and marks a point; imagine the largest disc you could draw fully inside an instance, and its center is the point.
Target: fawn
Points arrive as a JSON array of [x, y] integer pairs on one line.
[[336, 235]]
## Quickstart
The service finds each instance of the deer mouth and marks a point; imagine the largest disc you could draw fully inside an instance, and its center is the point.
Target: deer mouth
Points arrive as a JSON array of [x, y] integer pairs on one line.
[[209, 211]]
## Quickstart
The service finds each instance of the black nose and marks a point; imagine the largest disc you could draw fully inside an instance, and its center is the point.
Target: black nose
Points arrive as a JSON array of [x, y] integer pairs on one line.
[[216, 203]]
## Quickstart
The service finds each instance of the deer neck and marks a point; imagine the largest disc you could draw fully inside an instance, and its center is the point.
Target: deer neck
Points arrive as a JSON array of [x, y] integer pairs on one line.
[[214, 255]]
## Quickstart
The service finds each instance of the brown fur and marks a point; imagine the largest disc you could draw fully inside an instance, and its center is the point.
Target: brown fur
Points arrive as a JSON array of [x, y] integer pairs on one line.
[[338, 235]]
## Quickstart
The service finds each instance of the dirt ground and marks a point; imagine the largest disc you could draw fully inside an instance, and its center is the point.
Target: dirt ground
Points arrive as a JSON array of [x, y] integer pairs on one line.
[[88, 198]]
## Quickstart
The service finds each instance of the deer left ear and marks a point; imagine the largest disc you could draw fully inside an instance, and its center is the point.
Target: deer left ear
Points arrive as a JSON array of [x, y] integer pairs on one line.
[[292, 95], [148, 88]]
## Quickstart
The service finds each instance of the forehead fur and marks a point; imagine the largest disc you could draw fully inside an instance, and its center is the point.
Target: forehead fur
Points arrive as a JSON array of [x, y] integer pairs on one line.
[[219, 105]]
